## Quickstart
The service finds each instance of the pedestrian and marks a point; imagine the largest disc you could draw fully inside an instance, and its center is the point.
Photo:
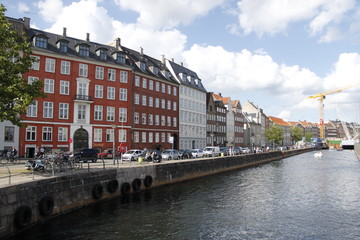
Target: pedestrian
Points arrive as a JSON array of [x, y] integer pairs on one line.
[[37, 151], [13, 152]]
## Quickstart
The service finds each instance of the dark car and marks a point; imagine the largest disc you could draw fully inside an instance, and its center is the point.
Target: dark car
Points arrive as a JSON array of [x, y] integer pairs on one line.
[[86, 154], [152, 156], [185, 154], [224, 151]]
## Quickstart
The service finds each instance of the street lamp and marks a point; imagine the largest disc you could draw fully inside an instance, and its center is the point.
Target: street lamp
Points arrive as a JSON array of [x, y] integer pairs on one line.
[[113, 152]]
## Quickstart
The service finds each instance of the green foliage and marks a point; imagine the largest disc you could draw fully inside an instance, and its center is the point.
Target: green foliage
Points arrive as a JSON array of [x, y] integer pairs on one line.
[[274, 134], [15, 59], [296, 133], [308, 136]]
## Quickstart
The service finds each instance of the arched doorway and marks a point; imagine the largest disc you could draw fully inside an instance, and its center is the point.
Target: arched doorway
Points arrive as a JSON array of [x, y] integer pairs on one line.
[[81, 139]]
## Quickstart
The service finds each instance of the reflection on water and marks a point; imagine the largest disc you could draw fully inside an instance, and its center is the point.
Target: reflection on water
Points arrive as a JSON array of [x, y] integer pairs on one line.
[[301, 197]]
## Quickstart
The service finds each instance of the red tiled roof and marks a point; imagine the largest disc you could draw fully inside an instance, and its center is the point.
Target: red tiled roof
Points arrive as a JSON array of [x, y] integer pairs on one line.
[[279, 121]]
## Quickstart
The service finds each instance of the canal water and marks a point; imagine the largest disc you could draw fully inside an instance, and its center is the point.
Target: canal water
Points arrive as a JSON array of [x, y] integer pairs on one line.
[[301, 197]]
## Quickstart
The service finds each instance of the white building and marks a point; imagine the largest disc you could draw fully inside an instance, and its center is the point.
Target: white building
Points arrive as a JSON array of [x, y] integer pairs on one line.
[[259, 117], [192, 107], [9, 136]]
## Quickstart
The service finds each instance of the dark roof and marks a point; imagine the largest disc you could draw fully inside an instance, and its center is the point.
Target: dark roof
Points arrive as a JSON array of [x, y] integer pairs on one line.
[[181, 69]]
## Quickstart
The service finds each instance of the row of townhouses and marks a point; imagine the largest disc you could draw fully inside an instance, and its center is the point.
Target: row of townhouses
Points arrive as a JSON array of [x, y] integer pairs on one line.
[[110, 96]]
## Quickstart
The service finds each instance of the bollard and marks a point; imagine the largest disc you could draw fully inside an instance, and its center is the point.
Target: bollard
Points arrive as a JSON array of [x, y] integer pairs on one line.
[[140, 159], [222, 154]]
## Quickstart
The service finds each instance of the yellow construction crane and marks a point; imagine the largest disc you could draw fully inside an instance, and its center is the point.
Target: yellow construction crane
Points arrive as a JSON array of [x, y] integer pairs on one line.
[[321, 97]]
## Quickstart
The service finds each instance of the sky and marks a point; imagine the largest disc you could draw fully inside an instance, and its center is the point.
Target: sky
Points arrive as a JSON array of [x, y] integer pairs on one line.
[[274, 53]]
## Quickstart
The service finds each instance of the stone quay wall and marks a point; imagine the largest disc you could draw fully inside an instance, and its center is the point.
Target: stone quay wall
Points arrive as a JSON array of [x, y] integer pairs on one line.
[[26, 204]]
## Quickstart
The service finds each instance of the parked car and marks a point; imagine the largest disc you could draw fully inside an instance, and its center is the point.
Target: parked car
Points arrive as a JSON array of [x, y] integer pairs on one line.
[[132, 155], [108, 154], [152, 155], [197, 153], [245, 150], [224, 151], [170, 154], [212, 151], [236, 151], [86, 154], [185, 154]]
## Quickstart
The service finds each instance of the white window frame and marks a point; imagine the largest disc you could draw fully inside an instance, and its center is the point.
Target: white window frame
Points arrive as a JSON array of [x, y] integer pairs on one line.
[[151, 84], [31, 133], [63, 111], [98, 112], [99, 73], [47, 134], [144, 100], [111, 75], [65, 67], [143, 137], [48, 110], [143, 119], [111, 93], [144, 83], [110, 114], [110, 135], [63, 133], [83, 70], [123, 76], [97, 135], [123, 94], [99, 91], [32, 109], [136, 99], [81, 112], [35, 64], [122, 135], [151, 101], [49, 85], [137, 81], [50, 65], [64, 87], [136, 137], [136, 118], [122, 115]]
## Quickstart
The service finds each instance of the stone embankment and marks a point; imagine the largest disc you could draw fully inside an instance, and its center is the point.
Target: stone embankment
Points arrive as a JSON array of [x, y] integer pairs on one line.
[[27, 203]]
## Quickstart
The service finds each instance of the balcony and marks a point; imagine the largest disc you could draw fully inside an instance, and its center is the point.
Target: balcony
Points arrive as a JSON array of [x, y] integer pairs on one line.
[[83, 98]]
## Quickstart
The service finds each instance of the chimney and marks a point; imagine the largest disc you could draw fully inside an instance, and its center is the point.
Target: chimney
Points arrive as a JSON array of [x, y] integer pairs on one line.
[[27, 22], [118, 43], [162, 58], [182, 64], [64, 31], [141, 51], [88, 37]]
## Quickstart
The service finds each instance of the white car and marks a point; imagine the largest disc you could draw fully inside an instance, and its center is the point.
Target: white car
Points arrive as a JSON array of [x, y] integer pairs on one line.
[[197, 153], [212, 151], [132, 154], [245, 150]]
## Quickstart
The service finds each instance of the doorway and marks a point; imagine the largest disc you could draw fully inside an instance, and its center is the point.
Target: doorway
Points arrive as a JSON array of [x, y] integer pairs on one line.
[[81, 139]]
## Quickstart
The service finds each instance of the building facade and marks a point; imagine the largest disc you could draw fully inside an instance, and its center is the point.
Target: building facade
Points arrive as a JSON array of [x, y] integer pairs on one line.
[[216, 121]]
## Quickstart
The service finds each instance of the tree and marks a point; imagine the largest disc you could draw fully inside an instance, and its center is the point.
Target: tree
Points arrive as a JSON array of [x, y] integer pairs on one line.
[[15, 60], [308, 136], [274, 134], [296, 133]]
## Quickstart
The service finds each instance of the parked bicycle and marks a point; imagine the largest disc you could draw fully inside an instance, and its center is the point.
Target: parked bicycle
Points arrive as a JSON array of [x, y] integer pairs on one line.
[[10, 158]]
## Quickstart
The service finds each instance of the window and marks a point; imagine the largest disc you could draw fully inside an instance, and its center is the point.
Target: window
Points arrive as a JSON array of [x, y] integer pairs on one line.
[[111, 74], [111, 93], [82, 89], [122, 114], [36, 63], [110, 114], [157, 102], [83, 70], [151, 102], [123, 76], [31, 133], [120, 58], [63, 46], [62, 134], [151, 119], [174, 106], [48, 110], [169, 89], [144, 100], [84, 50], [32, 79], [144, 83], [40, 42], [64, 87], [157, 137], [136, 99], [63, 110], [110, 135], [169, 121], [47, 133], [50, 65], [143, 118], [163, 103], [163, 88], [98, 112], [49, 85], [163, 123], [81, 112], [151, 85], [157, 86], [99, 73], [32, 110], [142, 66], [150, 137], [65, 67], [174, 91], [162, 137], [137, 81], [102, 54], [143, 137], [155, 70], [136, 137], [169, 105], [9, 133], [122, 135], [97, 135], [123, 94], [99, 91], [157, 120], [136, 117]]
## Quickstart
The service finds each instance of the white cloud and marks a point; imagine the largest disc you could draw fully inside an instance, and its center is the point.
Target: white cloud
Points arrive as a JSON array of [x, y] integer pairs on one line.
[[286, 115], [50, 9], [168, 14], [272, 17], [22, 7]]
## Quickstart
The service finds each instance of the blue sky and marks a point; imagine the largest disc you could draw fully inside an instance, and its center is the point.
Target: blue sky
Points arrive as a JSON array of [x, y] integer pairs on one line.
[[274, 53]]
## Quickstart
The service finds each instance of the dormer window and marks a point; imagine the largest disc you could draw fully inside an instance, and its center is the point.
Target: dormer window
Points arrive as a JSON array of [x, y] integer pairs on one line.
[[83, 50], [101, 53], [62, 45], [41, 41], [166, 73], [155, 70], [142, 66], [120, 57], [183, 77]]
